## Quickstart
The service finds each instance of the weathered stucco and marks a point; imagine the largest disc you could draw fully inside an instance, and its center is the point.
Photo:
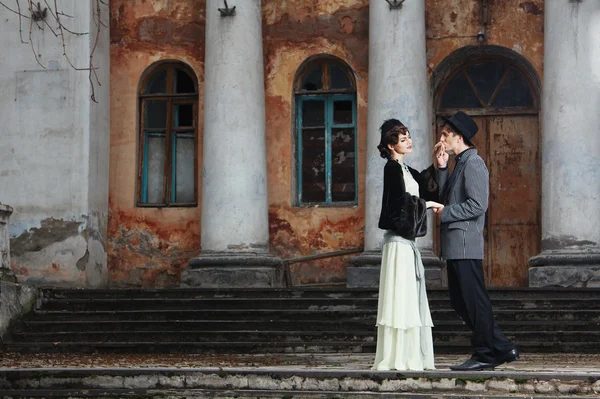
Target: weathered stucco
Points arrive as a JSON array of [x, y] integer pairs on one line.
[[294, 31], [514, 24], [148, 247], [55, 145]]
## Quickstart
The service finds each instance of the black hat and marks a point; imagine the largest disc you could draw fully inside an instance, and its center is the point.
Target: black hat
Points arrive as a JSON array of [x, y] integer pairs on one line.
[[463, 124]]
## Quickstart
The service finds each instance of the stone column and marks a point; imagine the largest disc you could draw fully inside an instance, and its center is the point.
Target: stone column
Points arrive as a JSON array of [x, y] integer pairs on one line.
[[570, 254], [397, 89], [235, 235], [6, 273]]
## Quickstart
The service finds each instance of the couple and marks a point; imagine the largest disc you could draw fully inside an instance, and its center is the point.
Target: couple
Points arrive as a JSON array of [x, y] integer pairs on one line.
[[404, 339]]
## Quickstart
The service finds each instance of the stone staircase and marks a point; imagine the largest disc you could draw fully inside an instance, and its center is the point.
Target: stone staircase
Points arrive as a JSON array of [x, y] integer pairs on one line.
[[285, 321]]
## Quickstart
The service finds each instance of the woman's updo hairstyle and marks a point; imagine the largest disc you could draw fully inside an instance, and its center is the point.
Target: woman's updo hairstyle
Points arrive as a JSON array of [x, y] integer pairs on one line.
[[391, 129]]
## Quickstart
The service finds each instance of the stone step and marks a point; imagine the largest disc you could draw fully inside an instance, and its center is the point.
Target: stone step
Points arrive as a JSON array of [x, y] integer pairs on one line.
[[210, 293], [262, 347], [297, 315], [250, 394], [287, 337], [91, 304], [292, 383], [369, 324], [241, 293]]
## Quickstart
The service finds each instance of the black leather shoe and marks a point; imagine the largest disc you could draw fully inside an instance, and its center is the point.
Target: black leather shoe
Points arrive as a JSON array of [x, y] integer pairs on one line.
[[473, 365], [510, 356]]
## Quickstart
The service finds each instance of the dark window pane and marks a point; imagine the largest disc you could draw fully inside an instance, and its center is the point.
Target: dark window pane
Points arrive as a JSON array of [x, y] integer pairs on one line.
[[343, 167], [459, 94], [313, 113], [342, 112], [313, 165], [485, 78], [155, 168], [514, 92], [313, 80], [184, 82], [184, 115], [184, 168], [339, 79], [157, 83], [155, 114]]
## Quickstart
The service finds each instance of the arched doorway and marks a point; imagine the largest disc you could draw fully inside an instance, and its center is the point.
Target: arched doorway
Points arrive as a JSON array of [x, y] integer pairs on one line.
[[500, 90]]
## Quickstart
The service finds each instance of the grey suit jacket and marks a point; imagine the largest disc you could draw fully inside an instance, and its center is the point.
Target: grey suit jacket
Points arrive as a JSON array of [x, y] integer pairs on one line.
[[465, 197]]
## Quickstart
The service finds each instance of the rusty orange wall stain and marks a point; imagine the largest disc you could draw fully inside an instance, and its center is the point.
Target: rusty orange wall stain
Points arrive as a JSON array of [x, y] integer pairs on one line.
[[148, 247], [294, 31], [515, 24]]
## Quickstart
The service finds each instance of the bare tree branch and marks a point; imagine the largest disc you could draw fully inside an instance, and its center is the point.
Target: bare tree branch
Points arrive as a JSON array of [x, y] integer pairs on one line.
[[92, 69], [47, 16], [31, 41], [20, 24], [11, 10], [55, 16]]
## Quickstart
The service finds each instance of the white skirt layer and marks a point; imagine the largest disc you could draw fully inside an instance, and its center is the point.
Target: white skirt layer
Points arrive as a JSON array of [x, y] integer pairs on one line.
[[400, 328]]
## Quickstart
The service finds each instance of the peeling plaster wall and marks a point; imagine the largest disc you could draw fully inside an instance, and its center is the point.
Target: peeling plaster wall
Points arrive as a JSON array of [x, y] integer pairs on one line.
[[515, 24], [148, 247], [52, 170], [294, 31]]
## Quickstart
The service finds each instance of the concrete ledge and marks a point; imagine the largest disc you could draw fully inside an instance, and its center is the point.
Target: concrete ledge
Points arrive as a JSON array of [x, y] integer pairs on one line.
[[366, 272], [566, 268], [580, 257], [226, 270], [231, 277], [234, 260], [565, 276]]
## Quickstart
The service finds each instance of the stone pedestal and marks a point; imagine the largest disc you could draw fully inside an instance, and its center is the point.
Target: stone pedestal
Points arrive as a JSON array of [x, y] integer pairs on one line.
[[570, 254], [565, 268], [366, 269], [220, 270], [397, 89], [235, 234], [6, 273]]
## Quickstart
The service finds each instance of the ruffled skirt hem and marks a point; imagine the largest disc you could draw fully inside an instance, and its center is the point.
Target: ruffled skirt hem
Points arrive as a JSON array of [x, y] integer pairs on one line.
[[399, 349]]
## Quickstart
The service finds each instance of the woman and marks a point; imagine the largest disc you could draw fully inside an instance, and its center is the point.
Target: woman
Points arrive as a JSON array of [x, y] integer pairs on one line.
[[404, 340]]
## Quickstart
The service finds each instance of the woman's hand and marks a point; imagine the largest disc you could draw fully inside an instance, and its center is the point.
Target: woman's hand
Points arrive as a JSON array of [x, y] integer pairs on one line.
[[435, 206], [440, 154]]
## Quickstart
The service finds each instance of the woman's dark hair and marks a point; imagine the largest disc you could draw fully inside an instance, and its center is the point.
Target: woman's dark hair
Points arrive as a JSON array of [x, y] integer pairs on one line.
[[391, 129]]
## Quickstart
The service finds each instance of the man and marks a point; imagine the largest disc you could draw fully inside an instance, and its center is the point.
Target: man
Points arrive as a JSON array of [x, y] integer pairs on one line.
[[464, 195]]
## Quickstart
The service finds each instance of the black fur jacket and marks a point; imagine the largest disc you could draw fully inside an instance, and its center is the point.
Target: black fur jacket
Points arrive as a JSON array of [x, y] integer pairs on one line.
[[401, 212]]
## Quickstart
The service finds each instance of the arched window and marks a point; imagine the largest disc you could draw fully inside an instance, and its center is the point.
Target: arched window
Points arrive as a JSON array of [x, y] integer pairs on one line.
[[487, 85], [168, 104], [326, 171]]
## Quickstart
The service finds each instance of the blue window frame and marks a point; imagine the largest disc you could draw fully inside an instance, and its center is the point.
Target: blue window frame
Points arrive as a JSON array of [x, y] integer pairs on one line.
[[168, 125], [326, 168]]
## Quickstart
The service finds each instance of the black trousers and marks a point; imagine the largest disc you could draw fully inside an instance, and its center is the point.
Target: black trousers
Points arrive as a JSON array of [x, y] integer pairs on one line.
[[471, 301]]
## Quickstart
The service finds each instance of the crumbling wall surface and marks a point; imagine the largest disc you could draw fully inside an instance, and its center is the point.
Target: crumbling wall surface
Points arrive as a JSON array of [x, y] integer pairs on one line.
[[15, 301], [49, 172], [148, 247], [514, 24], [293, 32]]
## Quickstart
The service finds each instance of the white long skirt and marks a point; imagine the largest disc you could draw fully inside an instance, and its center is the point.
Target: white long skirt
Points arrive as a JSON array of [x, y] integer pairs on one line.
[[399, 322]]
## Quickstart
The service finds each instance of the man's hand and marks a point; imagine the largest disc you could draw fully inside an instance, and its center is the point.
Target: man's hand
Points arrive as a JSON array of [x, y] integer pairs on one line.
[[440, 155]]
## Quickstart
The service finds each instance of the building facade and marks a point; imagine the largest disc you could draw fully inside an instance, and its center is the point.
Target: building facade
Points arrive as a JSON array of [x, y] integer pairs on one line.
[[226, 137]]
